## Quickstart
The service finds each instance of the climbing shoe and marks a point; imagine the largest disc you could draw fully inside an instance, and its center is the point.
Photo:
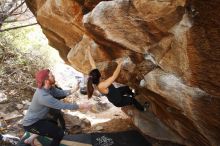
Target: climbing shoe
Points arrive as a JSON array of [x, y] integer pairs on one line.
[[146, 106]]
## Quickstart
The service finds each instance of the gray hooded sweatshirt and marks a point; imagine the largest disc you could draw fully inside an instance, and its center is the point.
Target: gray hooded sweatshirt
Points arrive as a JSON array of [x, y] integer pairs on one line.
[[42, 100]]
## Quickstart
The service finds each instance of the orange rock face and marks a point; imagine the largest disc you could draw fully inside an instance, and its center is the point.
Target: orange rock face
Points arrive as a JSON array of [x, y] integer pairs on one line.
[[171, 52]]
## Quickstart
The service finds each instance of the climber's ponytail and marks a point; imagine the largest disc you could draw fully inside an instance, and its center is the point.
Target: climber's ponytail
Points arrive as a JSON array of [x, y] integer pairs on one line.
[[94, 77], [90, 88]]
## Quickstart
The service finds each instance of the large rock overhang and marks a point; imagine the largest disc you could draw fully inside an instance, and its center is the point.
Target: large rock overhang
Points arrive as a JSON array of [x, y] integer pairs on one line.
[[172, 57]]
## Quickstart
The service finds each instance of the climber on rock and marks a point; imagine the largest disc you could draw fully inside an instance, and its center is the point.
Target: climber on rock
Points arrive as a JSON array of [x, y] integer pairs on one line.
[[120, 97], [35, 119]]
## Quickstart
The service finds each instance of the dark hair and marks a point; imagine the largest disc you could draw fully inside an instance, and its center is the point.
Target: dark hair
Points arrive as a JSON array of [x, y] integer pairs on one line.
[[94, 77]]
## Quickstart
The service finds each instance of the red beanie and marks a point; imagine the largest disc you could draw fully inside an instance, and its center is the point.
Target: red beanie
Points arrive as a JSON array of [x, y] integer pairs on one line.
[[41, 76]]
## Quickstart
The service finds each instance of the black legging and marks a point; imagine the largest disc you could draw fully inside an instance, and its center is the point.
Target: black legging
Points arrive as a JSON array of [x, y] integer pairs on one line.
[[125, 90], [47, 128], [128, 98]]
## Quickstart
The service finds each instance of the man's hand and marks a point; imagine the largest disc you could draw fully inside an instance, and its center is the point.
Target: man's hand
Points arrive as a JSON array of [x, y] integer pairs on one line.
[[85, 106]]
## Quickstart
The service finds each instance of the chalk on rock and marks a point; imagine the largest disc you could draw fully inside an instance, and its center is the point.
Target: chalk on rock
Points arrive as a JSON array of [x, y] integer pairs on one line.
[[150, 57], [99, 128], [142, 83], [127, 64]]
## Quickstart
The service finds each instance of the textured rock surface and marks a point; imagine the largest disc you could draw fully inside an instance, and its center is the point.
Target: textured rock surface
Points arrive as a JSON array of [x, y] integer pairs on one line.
[[171, 51]]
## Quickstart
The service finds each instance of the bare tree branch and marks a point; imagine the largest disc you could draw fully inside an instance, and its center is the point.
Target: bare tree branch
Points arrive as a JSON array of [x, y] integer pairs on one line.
[[6, 10], [12, 28], [10, 13], [21, 12], [15, 20]]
